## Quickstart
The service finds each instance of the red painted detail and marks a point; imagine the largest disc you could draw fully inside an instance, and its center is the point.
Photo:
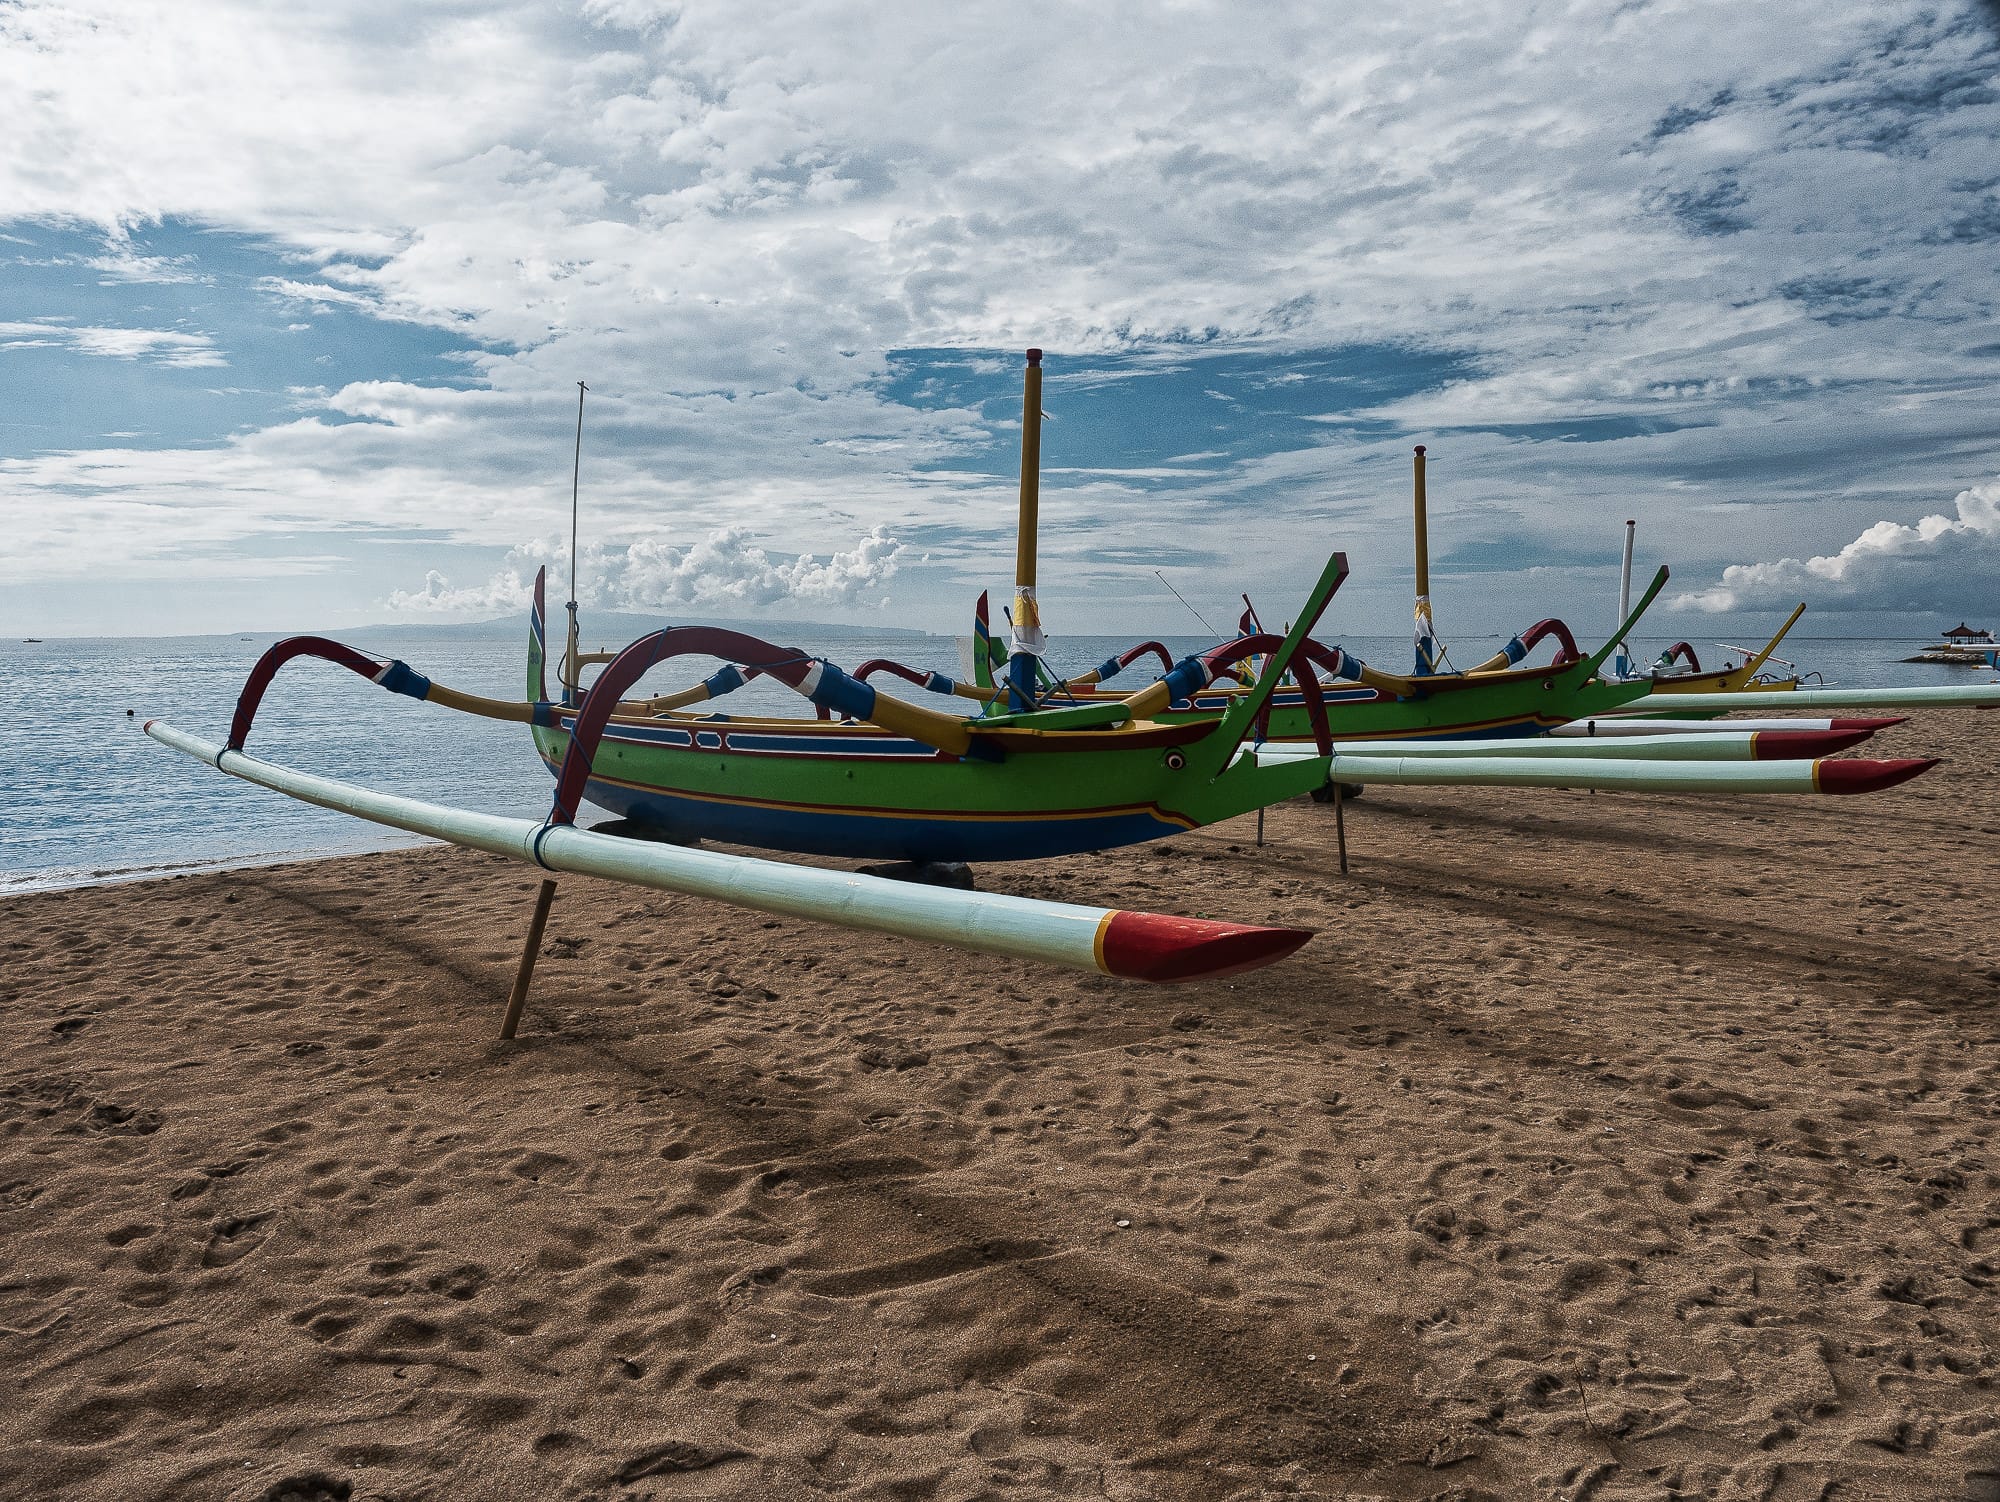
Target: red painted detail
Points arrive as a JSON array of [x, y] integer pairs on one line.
[[1870, 723], [1860, 776], [883, 665], [1685, 653], [1802, 745], [1566, 651], [1156, 947], [276, 657], [1217, 660], [1132, 654], [787, 664]]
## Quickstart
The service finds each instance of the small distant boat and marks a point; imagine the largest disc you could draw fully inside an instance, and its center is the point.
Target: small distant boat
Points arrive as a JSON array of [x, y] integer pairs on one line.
[[31, 641], [1963, 646]]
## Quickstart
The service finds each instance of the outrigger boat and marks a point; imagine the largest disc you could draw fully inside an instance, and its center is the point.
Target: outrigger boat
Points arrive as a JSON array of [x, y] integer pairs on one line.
[[1497, 698], [1678, 670], [878, 777]]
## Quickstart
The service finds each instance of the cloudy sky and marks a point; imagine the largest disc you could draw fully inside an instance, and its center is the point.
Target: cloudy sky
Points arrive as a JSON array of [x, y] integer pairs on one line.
[[293, 301]]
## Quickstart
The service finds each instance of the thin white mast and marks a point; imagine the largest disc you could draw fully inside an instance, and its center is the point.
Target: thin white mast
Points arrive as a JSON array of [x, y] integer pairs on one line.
[[571, 674], [1621, 664]]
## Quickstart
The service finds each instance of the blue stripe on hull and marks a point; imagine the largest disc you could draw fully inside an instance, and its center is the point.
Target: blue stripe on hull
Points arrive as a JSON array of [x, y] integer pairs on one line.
[[873, 836]]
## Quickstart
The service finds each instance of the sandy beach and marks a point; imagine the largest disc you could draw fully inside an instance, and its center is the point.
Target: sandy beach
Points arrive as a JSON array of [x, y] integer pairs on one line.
[[1600, 1147]]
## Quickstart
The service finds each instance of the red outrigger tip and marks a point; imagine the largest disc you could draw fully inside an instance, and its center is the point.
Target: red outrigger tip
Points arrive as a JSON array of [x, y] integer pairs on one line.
[[1155, 947], [1862, 776], [1802, 745], [1870, 723]]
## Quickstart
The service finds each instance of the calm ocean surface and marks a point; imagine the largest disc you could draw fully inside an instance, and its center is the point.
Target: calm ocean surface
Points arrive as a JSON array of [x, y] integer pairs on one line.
[[90, 799]]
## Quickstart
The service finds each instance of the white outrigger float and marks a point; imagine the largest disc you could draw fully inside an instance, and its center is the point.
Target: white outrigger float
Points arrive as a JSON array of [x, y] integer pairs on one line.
[[1569, 765], [1967, 696], [1628, 726], [1112, 941]]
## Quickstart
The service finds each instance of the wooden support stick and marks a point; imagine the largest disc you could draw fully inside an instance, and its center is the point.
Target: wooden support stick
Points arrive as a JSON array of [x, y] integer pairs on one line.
[[1340, 828], [529, 952], [1260, 829]]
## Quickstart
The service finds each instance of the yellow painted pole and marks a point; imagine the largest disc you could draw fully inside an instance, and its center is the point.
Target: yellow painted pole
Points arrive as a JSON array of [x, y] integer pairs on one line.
[[1427, 648], [1028, 641], [1423, 534], [1031, 474]]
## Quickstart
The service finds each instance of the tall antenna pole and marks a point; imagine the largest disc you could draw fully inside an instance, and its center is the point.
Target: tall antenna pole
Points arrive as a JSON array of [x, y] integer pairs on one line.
[[571, 675]]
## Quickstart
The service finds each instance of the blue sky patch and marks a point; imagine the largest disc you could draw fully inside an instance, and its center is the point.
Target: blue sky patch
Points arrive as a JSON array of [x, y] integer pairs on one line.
[[238, 348]]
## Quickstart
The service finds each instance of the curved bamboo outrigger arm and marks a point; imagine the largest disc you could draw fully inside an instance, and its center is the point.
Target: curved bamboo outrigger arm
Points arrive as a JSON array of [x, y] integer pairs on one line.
[[727, 679], [1516, 651], [818, 680], [1193, 674], [396, 676], [823, 683], [1112, 666], [936, 683]]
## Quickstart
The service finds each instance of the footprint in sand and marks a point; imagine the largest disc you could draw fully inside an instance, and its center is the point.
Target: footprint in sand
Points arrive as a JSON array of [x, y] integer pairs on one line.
[[108, 1116], [234, 1237], [311, 1487], [673, 1458]]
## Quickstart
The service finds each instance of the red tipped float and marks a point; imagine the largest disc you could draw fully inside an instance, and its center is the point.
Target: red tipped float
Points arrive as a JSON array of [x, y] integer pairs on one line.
[[1871, 723], [1157, 947], [1863, 776], [1803, 745]]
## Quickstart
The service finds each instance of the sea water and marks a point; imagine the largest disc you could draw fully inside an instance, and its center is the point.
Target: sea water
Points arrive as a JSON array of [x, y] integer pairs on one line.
[[90, 799]]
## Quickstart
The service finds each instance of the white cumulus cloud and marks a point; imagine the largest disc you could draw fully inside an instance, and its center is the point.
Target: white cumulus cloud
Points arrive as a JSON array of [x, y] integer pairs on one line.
[[162, 346], [1944, 563], [724, 571]]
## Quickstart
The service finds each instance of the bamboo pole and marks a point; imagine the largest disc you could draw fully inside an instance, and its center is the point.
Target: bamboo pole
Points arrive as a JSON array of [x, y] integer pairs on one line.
[[1423, 533], [518, 998], [1426, 626], [1028, 640], [1340, 827]]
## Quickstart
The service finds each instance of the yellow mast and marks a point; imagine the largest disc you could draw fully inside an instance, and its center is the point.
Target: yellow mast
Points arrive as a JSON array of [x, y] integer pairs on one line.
[[1427, 647], [1028, 642]]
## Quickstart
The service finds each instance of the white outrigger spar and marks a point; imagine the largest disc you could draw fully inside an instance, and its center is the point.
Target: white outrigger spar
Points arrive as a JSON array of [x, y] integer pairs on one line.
[[1615, 727], [1727, 744], [1134, 945], [1845, 775], [1968, 696]]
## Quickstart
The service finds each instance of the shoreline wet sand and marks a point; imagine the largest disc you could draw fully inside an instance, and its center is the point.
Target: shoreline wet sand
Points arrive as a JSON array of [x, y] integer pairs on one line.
[[1599, 1147]]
